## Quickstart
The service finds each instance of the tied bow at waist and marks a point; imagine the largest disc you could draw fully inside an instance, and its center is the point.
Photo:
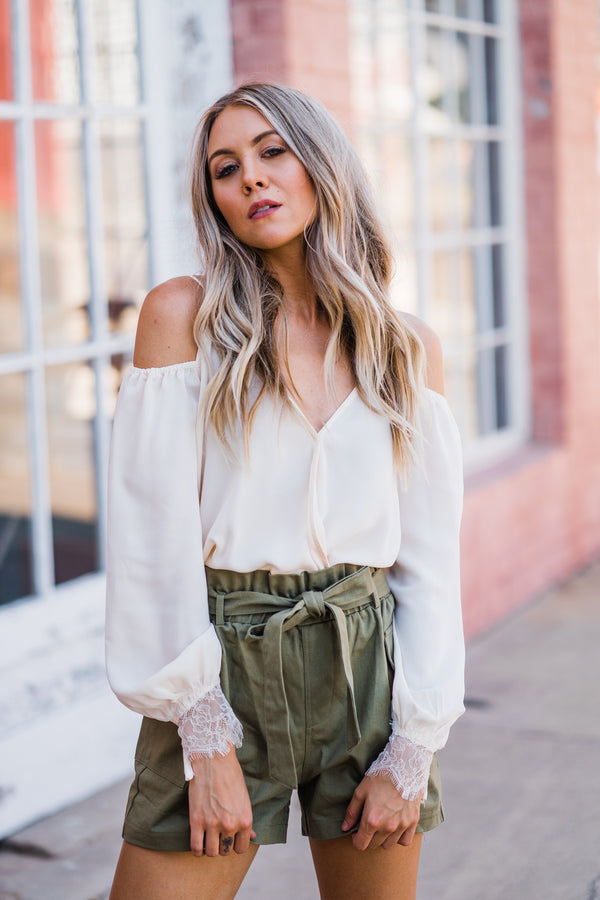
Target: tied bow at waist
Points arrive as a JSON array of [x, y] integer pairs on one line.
[[334, 602]]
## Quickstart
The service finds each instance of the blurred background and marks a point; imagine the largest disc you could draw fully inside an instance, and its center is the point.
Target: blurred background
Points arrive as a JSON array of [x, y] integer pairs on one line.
[[477, 122]]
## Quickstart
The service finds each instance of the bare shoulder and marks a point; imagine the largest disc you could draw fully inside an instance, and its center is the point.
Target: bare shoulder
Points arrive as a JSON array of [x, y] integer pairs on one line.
[[434, 360], [165, 333]]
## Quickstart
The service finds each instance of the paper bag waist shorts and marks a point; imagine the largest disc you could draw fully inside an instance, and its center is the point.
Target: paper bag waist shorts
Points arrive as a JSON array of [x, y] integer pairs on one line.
[[308, 669]]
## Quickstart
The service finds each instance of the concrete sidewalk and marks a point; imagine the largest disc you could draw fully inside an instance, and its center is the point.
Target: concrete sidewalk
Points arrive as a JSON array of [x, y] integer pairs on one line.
[[520, 774]]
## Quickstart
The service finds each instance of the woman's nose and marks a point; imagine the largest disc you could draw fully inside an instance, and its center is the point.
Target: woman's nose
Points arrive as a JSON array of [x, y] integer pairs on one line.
[[253, 178]]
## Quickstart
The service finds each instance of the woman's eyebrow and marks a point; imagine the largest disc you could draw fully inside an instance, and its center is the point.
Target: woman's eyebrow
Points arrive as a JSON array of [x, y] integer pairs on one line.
[[253, 142]]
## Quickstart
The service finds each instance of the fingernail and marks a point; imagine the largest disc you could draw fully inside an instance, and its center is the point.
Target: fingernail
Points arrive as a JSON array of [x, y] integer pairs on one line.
[[345, 825]]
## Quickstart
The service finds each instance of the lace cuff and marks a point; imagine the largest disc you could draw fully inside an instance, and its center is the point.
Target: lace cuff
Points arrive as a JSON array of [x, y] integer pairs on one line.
[[407, 764], [207, 728]]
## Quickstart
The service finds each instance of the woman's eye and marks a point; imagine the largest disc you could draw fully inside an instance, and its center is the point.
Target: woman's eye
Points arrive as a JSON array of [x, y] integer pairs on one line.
[[225, 170], [274, 151]]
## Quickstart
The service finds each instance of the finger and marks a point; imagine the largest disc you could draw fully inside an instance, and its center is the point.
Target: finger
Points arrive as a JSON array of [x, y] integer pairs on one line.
[[363, 836], [197, 842], [211, 842], [225, 844], [353, 812], [377, 840], [407, 837], [242, 840], [392, 839]]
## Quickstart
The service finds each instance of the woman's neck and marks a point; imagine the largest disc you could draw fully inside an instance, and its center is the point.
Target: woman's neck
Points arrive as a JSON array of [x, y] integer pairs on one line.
[[299, 296]]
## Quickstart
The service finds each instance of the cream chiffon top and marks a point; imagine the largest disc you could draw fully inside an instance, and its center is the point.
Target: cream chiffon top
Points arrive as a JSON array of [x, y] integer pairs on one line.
[[303, 500]]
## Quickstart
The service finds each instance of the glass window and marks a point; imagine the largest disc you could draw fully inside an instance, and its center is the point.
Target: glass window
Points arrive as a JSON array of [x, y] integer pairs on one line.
[[6, 57], [116, 56], [74, 259], [12, 334], [15, 490], [71, 409], [62, 234], [54, 51], [125, 220], [439, 156]]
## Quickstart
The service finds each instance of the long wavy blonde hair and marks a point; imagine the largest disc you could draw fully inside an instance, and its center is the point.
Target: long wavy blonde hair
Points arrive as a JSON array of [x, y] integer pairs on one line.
[[348, 260]]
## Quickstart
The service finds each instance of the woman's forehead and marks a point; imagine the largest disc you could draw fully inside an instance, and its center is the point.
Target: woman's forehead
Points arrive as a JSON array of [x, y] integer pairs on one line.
[[237, 125]]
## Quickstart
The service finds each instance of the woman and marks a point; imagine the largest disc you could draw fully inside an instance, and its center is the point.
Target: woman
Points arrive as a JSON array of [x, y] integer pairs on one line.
[[285, 498]]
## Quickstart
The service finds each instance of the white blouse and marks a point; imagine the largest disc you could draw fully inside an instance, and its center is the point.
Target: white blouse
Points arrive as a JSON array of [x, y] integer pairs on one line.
[[301, 501]]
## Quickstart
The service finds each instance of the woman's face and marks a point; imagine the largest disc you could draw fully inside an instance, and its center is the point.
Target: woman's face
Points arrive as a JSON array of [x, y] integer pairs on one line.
[[260, 186]]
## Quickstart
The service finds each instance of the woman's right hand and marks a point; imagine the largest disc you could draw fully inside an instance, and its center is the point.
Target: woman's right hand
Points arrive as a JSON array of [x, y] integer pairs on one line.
[[220, 810]]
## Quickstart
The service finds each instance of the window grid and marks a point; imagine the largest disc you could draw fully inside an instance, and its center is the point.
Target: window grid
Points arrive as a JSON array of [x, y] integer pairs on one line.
[[491, 113], [35, 358]]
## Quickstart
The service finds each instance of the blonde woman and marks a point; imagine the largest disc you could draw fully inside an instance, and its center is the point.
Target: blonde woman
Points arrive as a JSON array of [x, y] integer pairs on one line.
[[285, 499]]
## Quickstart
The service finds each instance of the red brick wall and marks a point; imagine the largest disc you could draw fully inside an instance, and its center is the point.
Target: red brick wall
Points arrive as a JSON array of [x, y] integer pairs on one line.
[[303, 43], [534, 519]]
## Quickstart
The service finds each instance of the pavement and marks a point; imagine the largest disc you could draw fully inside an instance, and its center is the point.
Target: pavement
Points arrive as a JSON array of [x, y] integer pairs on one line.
[[520, 776]]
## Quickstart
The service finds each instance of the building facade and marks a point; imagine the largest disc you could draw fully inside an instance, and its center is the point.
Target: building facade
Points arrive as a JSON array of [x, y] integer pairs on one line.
[[476, 120]]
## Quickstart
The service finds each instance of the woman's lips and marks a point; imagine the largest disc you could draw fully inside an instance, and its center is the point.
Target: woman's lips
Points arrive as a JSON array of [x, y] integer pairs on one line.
[[261, 208]]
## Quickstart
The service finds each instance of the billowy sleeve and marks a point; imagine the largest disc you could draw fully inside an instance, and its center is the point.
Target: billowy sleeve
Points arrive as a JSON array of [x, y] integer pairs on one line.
[[428, 689], [163, 656]]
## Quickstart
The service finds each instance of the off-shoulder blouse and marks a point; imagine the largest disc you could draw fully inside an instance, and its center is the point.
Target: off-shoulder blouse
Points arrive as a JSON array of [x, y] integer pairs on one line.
[[302, 500]]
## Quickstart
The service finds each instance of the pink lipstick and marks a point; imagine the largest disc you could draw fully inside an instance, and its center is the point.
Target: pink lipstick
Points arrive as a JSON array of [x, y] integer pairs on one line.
[[261, 208]]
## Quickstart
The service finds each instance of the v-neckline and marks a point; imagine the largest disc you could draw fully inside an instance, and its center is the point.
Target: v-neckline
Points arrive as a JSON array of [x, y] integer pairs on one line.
[[317, 432]]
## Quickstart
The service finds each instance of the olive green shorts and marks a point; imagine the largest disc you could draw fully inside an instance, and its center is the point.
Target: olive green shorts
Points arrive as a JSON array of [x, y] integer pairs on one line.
[[308, 668]]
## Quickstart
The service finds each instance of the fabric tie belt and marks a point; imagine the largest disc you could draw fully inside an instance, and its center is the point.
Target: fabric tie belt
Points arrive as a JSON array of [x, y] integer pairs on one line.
[[336, 601]]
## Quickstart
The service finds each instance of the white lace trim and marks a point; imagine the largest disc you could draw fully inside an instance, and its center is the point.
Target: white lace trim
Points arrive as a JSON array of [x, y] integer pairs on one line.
[[208, 727], [407, 764]]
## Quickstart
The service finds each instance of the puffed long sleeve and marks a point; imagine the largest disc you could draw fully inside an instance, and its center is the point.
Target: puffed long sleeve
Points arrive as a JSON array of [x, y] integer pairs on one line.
[[428, 688], [162, 653]]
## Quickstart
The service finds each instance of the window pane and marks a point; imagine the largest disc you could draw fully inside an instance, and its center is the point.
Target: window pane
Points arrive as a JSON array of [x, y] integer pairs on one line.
[[442, 177], [491, 80], [435, 83], [499, 295], [490, 13], [494, 151], [362, 68], [380, 63], [464, 85], [388, 160], [482, 289], [71, 408], [64, 267], [465, 183], [117, 69], [6, 59], [395, 94], [15, 491], [125, 220], [462, 391], [501, 355], [446, 306], [54, 50], [404, 290], [479, 181], [12, 336]]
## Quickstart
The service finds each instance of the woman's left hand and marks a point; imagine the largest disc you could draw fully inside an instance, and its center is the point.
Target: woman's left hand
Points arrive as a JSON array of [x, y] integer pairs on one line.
[[386, 818]]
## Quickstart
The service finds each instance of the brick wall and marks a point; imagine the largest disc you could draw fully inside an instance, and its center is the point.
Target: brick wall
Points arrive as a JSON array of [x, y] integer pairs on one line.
[[303, 43]]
